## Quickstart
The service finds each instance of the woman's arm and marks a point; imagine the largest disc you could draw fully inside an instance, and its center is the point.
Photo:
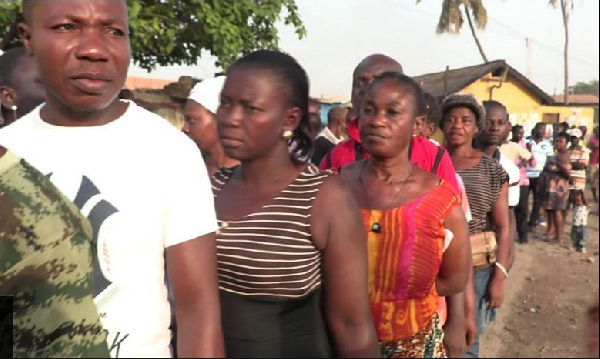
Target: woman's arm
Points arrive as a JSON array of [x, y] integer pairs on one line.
[[500, 221], [564, 165], [456, 261], [337, 229]]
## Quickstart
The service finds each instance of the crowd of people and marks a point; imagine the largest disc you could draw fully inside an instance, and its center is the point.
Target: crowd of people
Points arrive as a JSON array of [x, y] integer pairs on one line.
[[260, 233]]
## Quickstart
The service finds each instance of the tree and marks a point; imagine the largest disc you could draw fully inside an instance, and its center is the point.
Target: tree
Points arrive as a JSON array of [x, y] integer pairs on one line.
[[566, 7], [171, 32], [451, 19], [585, 88]]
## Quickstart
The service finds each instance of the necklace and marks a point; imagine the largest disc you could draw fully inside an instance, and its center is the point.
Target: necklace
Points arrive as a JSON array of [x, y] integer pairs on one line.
[[376, 227]]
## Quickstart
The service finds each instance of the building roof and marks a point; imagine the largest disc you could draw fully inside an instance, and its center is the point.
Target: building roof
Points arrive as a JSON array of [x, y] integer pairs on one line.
[[458, 79], [134, 82], [578, 99]]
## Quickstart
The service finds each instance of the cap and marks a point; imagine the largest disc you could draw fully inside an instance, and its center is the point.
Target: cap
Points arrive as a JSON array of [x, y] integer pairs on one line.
[[575, 132], [465, 100]]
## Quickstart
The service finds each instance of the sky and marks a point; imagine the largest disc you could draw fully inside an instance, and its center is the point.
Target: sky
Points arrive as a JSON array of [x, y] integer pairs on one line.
[[342, 32]]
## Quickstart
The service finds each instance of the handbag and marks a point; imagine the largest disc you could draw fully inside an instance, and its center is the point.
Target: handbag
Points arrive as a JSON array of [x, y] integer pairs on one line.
[[484, 248]]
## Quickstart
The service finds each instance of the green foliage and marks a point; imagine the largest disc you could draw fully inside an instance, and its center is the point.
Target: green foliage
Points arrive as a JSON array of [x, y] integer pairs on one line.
[[585, 88], [170, 32]]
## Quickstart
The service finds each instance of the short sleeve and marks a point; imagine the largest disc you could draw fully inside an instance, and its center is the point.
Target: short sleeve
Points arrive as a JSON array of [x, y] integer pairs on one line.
[[190, 211], [498, 178], [524, 153]]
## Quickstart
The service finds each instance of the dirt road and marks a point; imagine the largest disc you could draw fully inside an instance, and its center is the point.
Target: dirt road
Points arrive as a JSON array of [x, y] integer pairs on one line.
[[548, 293]]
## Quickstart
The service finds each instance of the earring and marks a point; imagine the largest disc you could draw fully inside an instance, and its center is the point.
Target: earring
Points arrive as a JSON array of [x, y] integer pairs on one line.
[[287, 134], [14, 109]]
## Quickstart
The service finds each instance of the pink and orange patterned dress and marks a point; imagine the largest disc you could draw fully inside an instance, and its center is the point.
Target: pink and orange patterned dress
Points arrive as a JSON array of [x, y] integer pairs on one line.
[[404, 254]]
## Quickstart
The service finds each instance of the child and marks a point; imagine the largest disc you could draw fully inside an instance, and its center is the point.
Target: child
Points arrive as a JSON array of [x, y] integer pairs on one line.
[[580, 215]]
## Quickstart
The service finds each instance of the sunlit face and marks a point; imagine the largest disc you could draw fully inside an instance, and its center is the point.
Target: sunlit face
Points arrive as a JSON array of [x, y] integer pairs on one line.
[[82, 50], [200, 125], [387, 119], [560, 143], [366, 74], [518, 134], [253, 114], [460, 126], [496, 125]]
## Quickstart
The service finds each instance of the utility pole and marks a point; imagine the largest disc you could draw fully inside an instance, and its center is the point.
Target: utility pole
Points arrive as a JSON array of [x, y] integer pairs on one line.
[[528, 71]]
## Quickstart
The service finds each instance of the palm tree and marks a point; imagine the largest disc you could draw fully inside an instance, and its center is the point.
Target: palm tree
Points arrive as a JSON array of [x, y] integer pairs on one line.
[[451, 19], [566, 7]]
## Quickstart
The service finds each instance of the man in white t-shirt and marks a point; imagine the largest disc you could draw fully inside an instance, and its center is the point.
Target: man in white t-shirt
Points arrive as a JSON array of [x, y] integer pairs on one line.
[[140, 181]]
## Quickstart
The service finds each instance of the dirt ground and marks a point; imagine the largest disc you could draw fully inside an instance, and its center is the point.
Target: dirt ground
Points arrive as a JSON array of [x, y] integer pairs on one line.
[[548, 293]]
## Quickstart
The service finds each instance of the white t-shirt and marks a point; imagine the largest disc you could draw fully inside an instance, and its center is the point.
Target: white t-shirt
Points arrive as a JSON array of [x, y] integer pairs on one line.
[[514, 178], [144, 187]]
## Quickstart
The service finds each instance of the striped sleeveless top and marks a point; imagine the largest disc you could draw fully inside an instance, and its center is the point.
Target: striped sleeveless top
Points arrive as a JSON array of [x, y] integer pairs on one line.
[[270, 253]]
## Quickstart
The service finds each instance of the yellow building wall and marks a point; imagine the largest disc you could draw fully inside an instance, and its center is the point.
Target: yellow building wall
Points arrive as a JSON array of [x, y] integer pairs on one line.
[[524, 107]]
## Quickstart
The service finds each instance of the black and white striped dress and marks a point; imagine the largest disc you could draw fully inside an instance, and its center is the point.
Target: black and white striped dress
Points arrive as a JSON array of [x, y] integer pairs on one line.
[[270, 274], [483, 183]]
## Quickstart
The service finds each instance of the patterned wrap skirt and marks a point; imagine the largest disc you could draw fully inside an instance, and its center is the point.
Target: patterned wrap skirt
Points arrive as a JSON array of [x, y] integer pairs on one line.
[[553, 191], [427, 343]]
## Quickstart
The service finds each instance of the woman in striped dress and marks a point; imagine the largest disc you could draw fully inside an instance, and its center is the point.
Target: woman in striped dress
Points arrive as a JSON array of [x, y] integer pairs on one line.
[[486, 183], [405, 213], [292, 260]]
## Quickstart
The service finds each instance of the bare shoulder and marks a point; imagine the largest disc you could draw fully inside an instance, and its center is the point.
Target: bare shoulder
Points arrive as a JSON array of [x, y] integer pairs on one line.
[[351, 172], [424, 180]]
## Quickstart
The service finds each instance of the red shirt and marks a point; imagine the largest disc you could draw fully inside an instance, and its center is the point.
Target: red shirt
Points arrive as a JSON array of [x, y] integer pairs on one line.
[[423, 154], [594, 143]]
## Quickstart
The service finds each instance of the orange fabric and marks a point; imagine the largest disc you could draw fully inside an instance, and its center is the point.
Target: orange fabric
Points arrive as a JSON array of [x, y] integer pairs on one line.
[[404, 260]]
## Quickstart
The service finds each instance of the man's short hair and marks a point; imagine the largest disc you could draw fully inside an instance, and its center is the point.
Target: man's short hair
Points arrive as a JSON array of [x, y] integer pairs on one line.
[[9, 64]]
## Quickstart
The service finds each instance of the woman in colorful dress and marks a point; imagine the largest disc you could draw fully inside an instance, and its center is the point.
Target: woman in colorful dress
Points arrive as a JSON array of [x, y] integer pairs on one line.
[[553, 189], [405, 213], [291, 252]]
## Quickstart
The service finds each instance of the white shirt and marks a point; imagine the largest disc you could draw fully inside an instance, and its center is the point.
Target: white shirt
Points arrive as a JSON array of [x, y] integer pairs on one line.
[[580, 215], [514, 178], [541, 151], [144, 187]]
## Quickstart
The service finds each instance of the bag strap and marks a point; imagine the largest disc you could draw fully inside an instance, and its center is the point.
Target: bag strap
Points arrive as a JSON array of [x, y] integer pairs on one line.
[[328, 159], [438, 159], [358, 152]]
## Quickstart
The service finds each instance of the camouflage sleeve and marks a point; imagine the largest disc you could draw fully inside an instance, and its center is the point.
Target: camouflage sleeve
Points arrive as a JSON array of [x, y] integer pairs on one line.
[[45, 264]]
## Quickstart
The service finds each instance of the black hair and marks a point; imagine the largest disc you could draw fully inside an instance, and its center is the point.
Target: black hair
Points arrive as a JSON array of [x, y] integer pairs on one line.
[[9, 64], [407, 83], [293, 78], [492, 104], [516, 128], [433, 112], [330, 118], [564, 135], [564, 126]]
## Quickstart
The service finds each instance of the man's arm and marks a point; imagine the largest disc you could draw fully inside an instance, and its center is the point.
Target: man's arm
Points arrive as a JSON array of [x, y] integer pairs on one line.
[[192, 269]]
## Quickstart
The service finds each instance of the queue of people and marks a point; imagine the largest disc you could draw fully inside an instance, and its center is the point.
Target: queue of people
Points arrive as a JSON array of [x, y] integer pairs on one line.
[[118, 231]]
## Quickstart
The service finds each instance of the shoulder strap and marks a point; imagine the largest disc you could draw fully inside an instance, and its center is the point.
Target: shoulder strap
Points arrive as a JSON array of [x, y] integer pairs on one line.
[[438, 159], [328, 159], [358, 152]]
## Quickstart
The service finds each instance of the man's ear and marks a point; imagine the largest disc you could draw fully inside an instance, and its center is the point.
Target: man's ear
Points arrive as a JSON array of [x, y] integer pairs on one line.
[[7, 97], [25, 35]]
